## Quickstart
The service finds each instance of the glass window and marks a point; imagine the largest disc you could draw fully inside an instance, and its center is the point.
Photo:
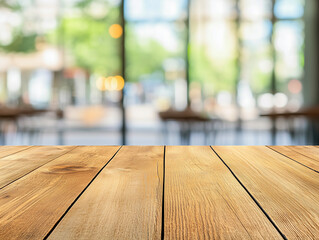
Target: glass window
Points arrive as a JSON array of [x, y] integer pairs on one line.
[[288, 40], [213, 54], [289, 8], [255, 9], [149, 10]]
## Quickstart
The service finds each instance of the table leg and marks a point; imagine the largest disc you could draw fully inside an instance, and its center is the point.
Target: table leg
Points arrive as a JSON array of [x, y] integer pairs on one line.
[[273, 131]]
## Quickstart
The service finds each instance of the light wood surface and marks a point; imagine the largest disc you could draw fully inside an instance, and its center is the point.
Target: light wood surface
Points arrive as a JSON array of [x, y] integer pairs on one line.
[[306, 155], [31, 206], [204, 201], [286, 190], [8, 150], [19, 164], [124, 202], [148, 192]]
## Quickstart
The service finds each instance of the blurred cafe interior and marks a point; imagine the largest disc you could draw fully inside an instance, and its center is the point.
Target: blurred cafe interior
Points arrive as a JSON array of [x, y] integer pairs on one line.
[[149, 72]]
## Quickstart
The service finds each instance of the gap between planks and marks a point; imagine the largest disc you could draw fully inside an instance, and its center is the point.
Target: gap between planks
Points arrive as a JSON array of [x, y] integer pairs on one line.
[[285, 189], [162, 227], [163, 194], [33, 169], [6, 151], [250, 195], [128, 192], [68, 209], [293, 159], [78, 168], [198, 207]]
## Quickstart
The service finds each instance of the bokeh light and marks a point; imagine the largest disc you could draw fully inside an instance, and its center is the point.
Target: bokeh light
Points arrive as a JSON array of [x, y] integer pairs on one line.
[[112, 83], [100, 84], [266, 101], [119, 83], [116, 30], [280, 100], [294, 86]]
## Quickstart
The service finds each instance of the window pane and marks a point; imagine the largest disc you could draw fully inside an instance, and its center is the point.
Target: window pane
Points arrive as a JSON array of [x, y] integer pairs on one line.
[[252, 32], [255, 9], [155, 61], [289, 8], [289, 50], [213, 55], [256, 67], [155, 10], [148, 45], [218, 9], [256, 61]]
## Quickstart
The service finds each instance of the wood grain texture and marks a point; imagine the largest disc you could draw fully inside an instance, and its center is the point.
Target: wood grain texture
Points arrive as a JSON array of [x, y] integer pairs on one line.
[[306, 155], [203, 200], [123, 202], [8, 150], [31, 206], [21, 163], [286, 190]]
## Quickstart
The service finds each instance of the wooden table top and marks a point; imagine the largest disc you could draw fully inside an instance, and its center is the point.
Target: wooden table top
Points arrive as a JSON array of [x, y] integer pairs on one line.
[[14, 113], [156, 192], [312, 112]]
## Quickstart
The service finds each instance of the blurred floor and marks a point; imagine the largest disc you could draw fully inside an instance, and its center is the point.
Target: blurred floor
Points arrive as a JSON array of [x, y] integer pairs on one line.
[[153, 137], [99, 125]]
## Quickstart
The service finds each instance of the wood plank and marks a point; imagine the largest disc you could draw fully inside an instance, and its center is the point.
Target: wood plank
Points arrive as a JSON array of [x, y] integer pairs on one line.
[[31, 206], [21, 163], [123, 202], [306, 155], [203, 200], [286, 190], [8, 150]]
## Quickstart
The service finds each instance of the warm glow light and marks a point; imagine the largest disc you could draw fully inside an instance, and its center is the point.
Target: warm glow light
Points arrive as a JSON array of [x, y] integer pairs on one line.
[[116, 30], [120, 83], [112, 83], [107, 83], [100, 84]]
